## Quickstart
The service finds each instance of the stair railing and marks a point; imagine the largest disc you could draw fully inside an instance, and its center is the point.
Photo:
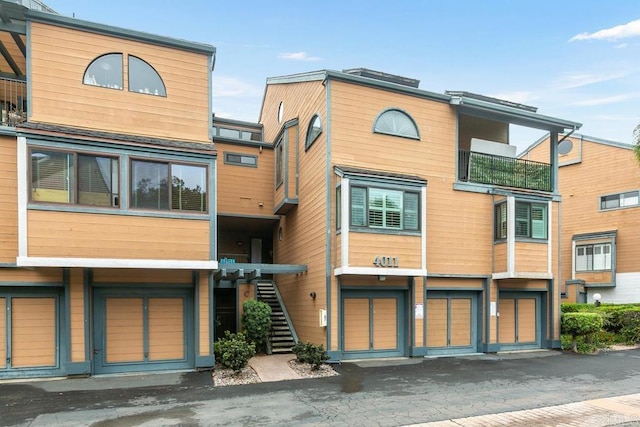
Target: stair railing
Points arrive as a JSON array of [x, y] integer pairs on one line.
[[284, 312]]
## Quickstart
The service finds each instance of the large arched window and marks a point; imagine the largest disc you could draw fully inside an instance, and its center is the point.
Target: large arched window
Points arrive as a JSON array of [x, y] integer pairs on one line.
[[313, 131], [396, 122], [105, 71], [143, 78]]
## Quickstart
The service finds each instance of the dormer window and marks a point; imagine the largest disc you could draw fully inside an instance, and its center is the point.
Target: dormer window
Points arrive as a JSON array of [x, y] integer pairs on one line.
[[105, 71]]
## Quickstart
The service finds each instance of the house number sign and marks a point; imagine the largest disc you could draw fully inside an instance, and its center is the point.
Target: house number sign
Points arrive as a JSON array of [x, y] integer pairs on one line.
[[386, 261]]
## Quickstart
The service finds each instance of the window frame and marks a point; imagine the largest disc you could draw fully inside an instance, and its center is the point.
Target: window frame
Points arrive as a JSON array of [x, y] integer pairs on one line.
[[85, 77], [402, 113], [229, 161], [279, 166], [162, 93], [313, 132], [169, 163], [528, 223], [74, 177], [403, 212], [590, 258], [530, 220], [620, 198], [501, 222]]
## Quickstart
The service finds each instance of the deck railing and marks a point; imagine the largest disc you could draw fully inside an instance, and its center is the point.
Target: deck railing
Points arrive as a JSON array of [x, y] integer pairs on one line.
[[503, 171], [13, 101]]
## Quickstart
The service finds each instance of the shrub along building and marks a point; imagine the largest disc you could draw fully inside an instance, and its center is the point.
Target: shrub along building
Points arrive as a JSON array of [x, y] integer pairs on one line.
[[377, 218], [600, 217]]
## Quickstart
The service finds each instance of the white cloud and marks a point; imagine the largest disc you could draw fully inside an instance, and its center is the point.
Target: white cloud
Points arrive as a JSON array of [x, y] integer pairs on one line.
[[299, 56], [225, 87], [621, 45], [632, 29], [575, 80], [603, 101]]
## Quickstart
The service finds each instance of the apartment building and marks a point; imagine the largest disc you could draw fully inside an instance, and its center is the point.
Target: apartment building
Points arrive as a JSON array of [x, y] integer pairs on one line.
[[599, 181], [107, 198]]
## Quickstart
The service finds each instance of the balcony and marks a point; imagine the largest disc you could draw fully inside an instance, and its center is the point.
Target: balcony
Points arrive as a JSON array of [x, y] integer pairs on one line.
[[13, 101], [503, 171]]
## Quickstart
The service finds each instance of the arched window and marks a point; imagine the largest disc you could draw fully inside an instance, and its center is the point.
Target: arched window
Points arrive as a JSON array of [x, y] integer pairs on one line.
[[313, 131], [143, 78], [396, 122], [105, 71]]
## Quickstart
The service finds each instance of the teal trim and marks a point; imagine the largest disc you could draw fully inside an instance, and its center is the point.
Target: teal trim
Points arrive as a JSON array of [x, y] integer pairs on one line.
[[297, 142], [77, 368], [491, 348], [540, 321], [212, 314], [125, 163], [156, 152], [67, 315], [205, 362], [490, 189], [196, 312], [29, 78], [286, 201], [328, 188], [424, 311], [116, 211], [553, 159], [418, 352], [87, 278], [33, 284], [599, 285], [8, 265], [143, 286], [77, 24], [212, 62], [213, 217], [597, 235], [549, 307], [555, 344], [334, 355], [487, 314]]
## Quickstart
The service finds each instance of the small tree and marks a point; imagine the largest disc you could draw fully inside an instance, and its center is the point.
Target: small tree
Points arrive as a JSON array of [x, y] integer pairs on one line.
[[580, 324], [256, 322]]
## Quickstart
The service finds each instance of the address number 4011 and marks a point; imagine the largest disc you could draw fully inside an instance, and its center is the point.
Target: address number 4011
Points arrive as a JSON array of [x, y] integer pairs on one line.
[[386, 261]]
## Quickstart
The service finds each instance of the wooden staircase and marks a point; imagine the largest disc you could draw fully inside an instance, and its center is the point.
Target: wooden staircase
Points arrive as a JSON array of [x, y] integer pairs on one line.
[[283, 335]]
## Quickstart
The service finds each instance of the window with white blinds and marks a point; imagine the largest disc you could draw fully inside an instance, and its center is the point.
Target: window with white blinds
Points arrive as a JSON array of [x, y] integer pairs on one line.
[[62, 177], [530, 221], [593, 257], [382, 208]]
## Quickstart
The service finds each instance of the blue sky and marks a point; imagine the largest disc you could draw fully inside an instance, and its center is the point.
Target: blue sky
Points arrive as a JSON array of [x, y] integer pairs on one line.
[[574, 59]]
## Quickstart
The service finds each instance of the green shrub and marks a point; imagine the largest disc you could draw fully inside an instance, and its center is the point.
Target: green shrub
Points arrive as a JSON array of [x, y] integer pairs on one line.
[[574, 307], [580, 325], [310, 353], [233, 351], [256, 323]]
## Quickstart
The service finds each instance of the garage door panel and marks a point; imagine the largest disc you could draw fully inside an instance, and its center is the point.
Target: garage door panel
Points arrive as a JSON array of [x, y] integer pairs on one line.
[[437, 319], [527, 320], [124, 330], [33, 332], [3, 333], [507, 322], [461, 322], [356, 324], [166, 328], [385, 324]]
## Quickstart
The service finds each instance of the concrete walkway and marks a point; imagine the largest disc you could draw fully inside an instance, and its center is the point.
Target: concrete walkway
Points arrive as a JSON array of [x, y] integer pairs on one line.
[[593, 413], [274, 367]]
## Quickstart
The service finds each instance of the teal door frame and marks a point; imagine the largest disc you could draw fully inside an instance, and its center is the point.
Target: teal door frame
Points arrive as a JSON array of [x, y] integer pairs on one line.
[[476, 319], [401, 297], [100, 294], [540, 313]]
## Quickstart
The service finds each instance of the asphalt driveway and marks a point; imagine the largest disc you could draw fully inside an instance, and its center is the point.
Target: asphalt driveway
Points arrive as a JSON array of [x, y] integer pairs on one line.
[[384, 393]]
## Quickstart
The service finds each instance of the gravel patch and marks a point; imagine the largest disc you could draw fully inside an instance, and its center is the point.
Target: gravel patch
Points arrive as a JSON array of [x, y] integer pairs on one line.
[[224, 377]]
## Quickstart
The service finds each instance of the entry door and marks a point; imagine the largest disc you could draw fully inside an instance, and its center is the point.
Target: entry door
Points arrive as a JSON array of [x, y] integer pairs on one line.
[[226, 313], [373, 324], [519, 321], [144, 330], [451, 322]]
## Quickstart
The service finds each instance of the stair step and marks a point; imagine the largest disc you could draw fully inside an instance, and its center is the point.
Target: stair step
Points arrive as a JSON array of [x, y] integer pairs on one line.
[[281, 338]]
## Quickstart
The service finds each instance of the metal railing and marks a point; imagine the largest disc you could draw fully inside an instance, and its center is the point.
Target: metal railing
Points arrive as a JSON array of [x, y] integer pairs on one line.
[[503, 171], [13, 101]]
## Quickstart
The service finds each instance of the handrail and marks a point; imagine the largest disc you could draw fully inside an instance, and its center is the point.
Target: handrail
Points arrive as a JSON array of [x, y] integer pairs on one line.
[[284, 310]]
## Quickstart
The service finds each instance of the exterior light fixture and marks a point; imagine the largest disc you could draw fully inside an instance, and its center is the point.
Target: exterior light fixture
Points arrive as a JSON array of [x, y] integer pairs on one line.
[[597, 299]]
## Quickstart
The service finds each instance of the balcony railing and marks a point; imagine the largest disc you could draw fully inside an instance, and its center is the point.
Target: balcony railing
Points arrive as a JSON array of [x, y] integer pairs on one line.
[[503, 171], [13, 101]]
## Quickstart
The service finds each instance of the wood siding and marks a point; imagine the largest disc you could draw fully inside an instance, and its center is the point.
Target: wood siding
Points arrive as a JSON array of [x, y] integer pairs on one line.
[[365, 247], [59, 58], [77, 314], [80, 235], [8, 200], [500, 258], [166, 328], [33, 332], [356, 324], [304, 227], [134, 276], [124, 340], [385, 323], [532, 257], [240, 189]]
